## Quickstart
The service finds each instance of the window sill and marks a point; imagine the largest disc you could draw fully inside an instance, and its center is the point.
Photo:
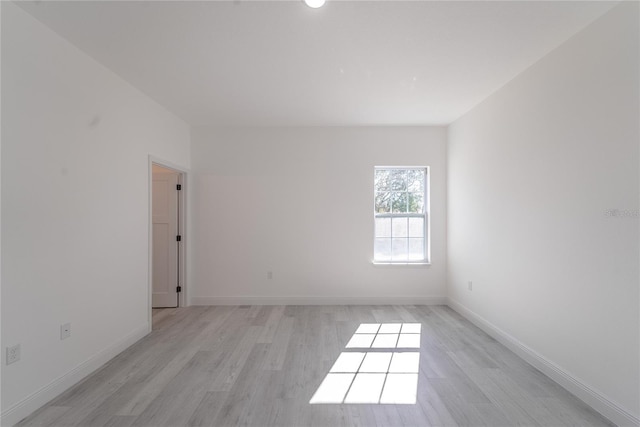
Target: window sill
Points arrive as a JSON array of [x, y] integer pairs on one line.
[[400, 264]]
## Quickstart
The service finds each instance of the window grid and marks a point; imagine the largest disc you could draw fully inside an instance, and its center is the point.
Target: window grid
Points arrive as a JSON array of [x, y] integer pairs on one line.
[[400, 197]]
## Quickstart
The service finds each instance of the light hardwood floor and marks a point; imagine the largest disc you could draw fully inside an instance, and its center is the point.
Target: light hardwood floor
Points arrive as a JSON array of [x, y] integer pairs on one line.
[[260, 366]]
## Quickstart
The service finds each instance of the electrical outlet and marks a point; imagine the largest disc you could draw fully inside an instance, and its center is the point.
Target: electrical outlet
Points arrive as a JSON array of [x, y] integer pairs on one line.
[[13, 354], [269, 275], [470, 285], [65, 331]]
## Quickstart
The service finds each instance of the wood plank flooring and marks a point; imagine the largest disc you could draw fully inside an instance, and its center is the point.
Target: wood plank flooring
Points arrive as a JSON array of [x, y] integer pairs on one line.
[[260, 366]]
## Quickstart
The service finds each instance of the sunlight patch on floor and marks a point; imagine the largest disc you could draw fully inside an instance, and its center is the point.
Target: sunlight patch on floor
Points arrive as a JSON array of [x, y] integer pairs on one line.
[[386, 335], [375, 377]]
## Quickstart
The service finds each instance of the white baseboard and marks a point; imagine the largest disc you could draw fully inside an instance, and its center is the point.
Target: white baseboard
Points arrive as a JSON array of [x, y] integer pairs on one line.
[[587, 394], [28, 405], [314, 300]]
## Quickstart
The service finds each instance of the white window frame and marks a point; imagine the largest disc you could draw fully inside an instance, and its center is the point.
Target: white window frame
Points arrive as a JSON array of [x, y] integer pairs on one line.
[[425, 215]]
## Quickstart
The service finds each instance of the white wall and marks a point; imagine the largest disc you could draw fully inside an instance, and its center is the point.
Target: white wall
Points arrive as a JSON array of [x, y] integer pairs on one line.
[[0, 207], [298, 202], [532, 171], [75, 145]]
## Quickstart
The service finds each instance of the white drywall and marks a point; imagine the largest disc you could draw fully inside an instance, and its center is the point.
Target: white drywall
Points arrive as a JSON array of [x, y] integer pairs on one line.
[[76, 140], [299, 202], [0, 206], [532, 174]]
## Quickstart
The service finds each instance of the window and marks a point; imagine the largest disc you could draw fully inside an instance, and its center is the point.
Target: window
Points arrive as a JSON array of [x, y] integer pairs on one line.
[[401, 215]]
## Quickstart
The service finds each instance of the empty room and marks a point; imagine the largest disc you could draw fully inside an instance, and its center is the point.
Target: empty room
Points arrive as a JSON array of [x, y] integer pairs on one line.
[[310, 213]]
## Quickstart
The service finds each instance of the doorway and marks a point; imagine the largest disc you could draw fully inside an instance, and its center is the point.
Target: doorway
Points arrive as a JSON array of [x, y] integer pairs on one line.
[[166, 236]]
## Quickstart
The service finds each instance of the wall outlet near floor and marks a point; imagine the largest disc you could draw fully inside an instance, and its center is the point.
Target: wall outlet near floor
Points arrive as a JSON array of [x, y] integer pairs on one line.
[[65, 331], [470, 285], [13, 354]]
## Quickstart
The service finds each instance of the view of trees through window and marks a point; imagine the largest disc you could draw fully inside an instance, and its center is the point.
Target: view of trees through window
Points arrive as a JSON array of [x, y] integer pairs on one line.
[[399, 190], [400, 215]]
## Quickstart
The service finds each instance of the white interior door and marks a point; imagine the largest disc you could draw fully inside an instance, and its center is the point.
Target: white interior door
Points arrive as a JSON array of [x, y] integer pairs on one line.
[[165, 231]]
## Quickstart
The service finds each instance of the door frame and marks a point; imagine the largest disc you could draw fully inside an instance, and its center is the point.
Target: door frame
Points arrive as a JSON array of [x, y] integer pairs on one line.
[[183, 175]]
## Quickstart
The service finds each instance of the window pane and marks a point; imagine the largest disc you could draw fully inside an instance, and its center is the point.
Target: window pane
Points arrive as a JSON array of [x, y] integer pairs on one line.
[[399, 250], [415, 180], [383, 203], [400, 227], [416, 202], [382, 180], [416, 249], [398, 179], [416, 227], [382, 250], [383, 227], [399, 202]]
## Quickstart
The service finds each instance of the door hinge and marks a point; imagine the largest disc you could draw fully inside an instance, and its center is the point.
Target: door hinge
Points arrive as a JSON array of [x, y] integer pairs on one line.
[[178, 238], [179, 187], [179, 289]]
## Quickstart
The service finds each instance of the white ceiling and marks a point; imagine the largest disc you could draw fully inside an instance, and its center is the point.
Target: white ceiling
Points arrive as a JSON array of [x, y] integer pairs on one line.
[[348, 63]]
